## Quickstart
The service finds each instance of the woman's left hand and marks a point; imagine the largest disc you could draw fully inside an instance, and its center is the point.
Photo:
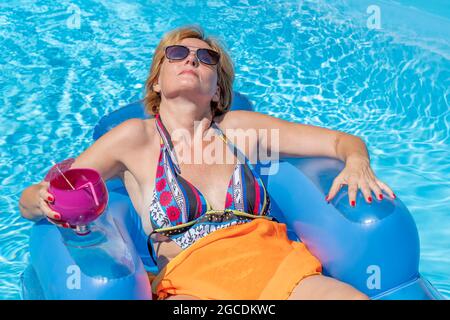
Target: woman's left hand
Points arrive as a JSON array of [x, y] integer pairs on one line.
[[357, 173]]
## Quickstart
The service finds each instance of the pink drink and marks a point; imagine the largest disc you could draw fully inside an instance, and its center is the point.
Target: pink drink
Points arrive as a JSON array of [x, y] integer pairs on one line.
[[81, 205]]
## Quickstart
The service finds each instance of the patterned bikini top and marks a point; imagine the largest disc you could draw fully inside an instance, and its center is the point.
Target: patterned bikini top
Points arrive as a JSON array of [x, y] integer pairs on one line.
[[181, 212]]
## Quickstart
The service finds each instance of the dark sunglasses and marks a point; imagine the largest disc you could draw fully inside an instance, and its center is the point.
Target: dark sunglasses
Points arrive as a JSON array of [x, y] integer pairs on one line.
[[179, 52]]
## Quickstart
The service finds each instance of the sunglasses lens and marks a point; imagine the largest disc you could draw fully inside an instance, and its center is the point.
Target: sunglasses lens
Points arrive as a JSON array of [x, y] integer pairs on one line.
[[208, 56], [176, 52]]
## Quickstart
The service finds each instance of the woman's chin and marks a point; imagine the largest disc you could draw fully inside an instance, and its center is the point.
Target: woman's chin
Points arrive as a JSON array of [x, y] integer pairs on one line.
[[187, 90]]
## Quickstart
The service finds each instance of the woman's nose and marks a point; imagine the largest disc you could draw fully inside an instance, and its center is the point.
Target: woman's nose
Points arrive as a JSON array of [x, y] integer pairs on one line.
[[192, 58]]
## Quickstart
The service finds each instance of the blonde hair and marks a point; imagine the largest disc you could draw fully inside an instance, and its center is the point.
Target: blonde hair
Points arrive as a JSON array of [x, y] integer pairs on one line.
[[225, 70]]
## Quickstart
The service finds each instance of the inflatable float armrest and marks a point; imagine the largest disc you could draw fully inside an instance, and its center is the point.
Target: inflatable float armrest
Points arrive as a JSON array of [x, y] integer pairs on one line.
[[374, 247], [110, 269]]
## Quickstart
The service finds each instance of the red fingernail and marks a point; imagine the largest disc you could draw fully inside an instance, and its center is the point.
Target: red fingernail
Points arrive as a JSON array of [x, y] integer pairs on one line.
[[50, 198], [353, 203], [57, 216], [326, 198], [370, 199], [380, 196], [394, 196]]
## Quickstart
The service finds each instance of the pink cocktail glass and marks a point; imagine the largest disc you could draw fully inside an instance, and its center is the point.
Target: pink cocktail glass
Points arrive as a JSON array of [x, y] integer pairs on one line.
[[80, 197]]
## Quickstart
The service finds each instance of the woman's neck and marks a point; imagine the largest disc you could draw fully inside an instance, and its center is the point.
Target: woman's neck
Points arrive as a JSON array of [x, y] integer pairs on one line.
[[185, 117]]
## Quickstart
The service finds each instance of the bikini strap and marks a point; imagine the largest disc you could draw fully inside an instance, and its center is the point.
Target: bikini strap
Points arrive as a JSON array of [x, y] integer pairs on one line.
[[237, 152], [151, 248], [167, 141]]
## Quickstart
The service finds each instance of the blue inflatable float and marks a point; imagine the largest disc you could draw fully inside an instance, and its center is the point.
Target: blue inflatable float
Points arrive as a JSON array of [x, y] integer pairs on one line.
[[373, 247]]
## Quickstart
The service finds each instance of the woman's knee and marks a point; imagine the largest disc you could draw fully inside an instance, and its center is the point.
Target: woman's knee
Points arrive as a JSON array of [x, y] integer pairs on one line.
[[319, 287], [358, 295], [181, 297]]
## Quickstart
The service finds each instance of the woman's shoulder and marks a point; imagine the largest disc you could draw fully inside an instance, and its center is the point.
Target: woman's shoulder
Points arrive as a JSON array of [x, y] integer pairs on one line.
[[128, 137], [135, 131], [236, 119], [110, 153]]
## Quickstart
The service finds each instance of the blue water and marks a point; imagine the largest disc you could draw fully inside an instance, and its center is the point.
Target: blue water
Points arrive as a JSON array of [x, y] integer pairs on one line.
[[64, 65]]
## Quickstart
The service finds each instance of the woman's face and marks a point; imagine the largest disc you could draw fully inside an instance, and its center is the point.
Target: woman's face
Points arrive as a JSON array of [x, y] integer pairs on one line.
[[199, 84]]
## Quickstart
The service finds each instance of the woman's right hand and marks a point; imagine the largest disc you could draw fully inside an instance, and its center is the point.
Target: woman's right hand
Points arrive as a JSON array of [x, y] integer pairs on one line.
[[45, 198]]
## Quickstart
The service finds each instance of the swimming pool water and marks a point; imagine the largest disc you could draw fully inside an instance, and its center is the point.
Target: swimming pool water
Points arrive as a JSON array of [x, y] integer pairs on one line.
[[64, 65]]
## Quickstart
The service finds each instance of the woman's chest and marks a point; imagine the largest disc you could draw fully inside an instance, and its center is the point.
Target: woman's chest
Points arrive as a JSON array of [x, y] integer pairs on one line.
[[139, 177]]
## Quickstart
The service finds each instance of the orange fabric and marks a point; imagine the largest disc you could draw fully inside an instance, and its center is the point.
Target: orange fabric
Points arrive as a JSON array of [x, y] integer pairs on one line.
[[250, 261]]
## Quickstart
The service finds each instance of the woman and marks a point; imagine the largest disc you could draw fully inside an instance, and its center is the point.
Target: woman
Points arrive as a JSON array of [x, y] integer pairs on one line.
[[206, 249]]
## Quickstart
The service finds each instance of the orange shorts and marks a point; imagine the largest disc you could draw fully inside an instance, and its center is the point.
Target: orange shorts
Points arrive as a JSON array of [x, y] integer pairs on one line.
[[250, 261]]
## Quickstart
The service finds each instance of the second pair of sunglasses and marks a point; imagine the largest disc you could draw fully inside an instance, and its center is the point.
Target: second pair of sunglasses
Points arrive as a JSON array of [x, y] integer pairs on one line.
[[180, 52]]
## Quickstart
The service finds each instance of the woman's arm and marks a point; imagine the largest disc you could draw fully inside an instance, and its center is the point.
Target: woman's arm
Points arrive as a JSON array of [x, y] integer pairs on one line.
[[310, 141], [105, 155], [300, 140]]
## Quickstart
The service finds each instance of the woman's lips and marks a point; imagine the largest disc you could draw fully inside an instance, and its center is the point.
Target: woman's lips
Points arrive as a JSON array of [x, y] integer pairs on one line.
[[189, 72]]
